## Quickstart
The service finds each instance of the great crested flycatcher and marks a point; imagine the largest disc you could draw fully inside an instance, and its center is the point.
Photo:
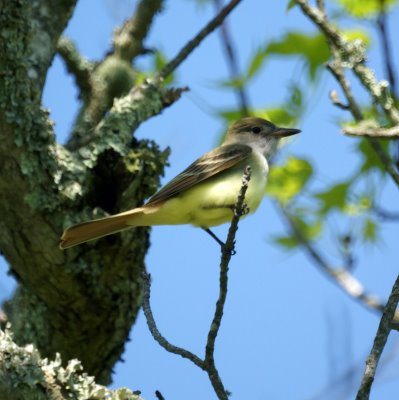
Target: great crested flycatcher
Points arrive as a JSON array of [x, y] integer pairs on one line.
[[205, 193]]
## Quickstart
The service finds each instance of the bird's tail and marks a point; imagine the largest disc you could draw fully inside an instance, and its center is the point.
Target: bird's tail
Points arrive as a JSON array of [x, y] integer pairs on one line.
[[98, 228]]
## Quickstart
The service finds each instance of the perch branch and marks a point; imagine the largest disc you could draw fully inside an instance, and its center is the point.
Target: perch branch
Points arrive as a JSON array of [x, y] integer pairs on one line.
[[208, 364], [227, 251]]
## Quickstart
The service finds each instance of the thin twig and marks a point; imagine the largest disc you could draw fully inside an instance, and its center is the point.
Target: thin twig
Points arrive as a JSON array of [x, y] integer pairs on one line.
[[159, 395], [232, 62], [335, 67], [382, 23], [340, 276], [380, 340], [336, 101], [155, 331], [385, 215], [193, 43]]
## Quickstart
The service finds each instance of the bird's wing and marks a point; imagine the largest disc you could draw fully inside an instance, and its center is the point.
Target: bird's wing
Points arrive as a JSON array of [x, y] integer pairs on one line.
[[208, 165]]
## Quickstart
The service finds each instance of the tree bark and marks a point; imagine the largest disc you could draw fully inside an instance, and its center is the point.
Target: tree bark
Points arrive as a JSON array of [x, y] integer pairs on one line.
[[81, 302]]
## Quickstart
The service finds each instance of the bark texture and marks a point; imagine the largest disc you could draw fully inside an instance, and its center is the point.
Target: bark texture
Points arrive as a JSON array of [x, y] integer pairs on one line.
[[81, 302]]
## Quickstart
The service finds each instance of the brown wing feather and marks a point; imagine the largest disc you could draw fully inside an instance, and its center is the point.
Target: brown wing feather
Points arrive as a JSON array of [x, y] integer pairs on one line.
[[208, 165]]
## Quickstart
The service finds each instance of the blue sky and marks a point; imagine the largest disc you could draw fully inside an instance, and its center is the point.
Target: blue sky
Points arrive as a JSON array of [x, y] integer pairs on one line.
[[287, 332]]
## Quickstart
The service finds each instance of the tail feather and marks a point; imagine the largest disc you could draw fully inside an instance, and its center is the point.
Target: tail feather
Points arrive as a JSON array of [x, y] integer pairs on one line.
[[97, 228]]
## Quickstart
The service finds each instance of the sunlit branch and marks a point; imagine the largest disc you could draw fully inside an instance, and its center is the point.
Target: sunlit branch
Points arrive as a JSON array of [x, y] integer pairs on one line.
[[382, 133]]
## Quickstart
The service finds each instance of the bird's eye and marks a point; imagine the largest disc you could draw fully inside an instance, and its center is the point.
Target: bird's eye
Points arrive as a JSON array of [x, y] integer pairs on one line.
[[256, 129]]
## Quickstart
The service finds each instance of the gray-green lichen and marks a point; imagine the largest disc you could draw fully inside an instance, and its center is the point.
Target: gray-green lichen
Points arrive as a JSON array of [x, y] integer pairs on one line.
[[24, 375], [32, 131], [49, 186], [31, 318], [124, 117], [116, 74]]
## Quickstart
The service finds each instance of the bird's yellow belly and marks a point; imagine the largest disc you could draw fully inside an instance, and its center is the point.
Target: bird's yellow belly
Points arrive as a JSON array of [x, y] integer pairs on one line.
[[215, 200], [211, 202]]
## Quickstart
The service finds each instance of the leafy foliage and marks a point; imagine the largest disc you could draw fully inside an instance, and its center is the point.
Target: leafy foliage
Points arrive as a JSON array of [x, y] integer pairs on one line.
[[334, 197], [370, 161], [370, 230], [312, 49], [288, 180], [287, 114], [365, 8], [310, 230]]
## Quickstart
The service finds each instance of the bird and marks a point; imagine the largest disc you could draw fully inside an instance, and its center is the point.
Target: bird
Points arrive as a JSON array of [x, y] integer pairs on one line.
[[205, 193]]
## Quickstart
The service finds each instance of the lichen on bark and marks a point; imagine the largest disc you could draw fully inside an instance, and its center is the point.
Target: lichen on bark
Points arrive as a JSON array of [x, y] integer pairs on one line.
[[81, 302]]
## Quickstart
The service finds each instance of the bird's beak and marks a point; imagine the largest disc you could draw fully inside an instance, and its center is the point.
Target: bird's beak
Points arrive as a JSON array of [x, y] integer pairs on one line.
[[283, 132]]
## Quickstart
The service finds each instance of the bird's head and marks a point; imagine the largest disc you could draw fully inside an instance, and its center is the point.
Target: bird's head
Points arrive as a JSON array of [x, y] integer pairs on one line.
[[260, 134]]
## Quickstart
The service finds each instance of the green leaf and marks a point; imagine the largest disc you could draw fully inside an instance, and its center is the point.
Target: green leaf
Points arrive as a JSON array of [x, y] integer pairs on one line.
[[256, 63], [230, 115], [235, 83], [364, 8], [363, 205], [295, 101], [290, 4], [312, 49], [357, 34], [370, 230], [310, 231], [287, 180], [287, 242], [370, 159], [278, 115], [333, 197]]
